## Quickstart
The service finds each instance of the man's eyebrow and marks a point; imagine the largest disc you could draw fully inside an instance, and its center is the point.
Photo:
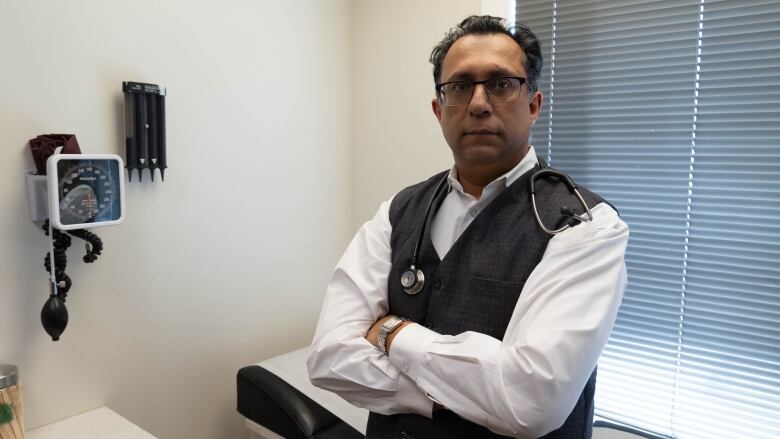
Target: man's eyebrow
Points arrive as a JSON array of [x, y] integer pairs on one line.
[[467, 76], [460, 77]]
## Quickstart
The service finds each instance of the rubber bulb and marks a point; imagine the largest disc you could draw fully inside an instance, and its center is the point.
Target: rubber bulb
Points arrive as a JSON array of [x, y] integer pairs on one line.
[[54, 317]]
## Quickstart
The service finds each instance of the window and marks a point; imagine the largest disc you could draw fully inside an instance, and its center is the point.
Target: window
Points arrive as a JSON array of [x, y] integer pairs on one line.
[[671, 110]]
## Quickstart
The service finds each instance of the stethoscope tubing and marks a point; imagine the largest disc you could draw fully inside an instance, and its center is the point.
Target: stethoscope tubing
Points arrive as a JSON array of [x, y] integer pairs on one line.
[[415, 279], [546, 170], [418, 244]]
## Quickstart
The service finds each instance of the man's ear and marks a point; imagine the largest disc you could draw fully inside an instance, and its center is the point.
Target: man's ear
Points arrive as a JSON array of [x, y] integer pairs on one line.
[[436, 106], [535, 105]]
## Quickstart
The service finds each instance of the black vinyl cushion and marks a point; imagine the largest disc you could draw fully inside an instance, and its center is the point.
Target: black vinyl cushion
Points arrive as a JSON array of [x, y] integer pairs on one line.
[[269, 401]]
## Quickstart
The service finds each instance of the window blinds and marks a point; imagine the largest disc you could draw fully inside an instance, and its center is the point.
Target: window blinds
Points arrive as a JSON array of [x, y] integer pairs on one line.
[[671, 110]]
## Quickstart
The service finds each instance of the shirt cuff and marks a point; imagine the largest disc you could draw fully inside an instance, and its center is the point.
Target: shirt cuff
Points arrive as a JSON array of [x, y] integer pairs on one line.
[[409, 346], [411, 399]]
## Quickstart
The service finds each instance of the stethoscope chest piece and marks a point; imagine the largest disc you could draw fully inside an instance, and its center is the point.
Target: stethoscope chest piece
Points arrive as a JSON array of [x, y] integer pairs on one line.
[[412, 281]]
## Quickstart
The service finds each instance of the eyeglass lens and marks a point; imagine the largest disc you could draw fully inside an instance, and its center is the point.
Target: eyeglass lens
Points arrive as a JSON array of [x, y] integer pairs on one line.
[[498, 90]]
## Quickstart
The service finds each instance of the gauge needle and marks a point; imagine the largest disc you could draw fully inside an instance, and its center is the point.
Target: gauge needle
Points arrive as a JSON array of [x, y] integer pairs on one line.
[[89, 204]]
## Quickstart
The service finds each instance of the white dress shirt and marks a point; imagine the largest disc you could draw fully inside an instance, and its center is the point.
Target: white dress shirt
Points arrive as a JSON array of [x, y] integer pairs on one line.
[[522, 386]]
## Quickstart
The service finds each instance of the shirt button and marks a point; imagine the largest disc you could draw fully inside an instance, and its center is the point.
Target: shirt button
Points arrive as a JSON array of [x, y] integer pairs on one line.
[[437, 284]]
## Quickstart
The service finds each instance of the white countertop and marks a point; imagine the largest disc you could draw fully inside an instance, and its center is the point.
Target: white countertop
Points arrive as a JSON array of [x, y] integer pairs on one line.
[[101, 423]]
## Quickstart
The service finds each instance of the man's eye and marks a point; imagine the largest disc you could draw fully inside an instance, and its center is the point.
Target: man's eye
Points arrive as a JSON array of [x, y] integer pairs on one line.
[[461, 87], [502, 84]]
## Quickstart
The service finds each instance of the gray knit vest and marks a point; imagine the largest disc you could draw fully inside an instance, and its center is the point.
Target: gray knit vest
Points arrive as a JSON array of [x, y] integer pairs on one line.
[[475, 287]]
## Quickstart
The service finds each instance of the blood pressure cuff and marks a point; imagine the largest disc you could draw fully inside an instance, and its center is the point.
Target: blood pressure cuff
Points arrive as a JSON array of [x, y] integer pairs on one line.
[[44, 145]]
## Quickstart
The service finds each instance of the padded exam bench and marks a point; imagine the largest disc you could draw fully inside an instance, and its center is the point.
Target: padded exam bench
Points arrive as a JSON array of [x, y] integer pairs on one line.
[[278, 401]]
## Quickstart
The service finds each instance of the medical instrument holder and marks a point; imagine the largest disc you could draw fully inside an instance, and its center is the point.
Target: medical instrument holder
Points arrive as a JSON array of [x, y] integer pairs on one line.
[[144, 115]]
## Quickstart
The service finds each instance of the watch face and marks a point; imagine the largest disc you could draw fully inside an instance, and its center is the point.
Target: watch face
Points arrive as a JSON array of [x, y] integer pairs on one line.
[[88, 191], [391, 323]]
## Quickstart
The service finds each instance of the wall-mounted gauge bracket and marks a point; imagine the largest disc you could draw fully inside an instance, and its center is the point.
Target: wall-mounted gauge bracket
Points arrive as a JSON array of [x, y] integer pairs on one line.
[[77, 192]]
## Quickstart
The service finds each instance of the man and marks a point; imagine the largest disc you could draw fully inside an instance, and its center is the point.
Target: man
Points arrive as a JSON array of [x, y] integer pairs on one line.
[[503, 337]]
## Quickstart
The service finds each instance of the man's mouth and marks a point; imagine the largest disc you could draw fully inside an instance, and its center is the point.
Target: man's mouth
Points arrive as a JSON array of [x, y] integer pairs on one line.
[[480, 133]]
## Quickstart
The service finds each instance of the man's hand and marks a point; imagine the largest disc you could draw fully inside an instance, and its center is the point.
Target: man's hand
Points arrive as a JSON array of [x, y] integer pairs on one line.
[[373, 333]]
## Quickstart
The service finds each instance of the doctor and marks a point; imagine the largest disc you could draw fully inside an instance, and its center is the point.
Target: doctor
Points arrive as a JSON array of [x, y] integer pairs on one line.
[[497, 326]]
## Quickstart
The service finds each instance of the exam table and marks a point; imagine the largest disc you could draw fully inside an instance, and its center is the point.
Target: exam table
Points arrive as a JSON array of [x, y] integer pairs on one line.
[[278, 401]]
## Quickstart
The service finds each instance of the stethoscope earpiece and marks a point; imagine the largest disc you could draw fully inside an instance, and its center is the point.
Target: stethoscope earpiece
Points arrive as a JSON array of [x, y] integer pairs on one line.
[[412, 280]]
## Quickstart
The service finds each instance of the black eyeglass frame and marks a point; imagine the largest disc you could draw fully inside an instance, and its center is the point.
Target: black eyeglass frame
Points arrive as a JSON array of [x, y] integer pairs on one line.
[[441, 93]]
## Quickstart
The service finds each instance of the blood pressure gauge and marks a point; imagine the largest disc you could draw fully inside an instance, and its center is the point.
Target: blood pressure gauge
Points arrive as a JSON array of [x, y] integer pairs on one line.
[[85, 190]]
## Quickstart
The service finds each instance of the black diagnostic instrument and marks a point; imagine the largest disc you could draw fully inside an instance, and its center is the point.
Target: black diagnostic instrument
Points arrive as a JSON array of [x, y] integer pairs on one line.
[[144, 109]]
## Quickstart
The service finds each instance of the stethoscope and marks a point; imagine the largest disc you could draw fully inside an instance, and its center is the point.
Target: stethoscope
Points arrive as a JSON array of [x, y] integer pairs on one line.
[[413, 279]]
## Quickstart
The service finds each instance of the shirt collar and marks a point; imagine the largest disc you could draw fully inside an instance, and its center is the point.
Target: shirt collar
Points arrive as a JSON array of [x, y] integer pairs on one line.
[[503, 181]]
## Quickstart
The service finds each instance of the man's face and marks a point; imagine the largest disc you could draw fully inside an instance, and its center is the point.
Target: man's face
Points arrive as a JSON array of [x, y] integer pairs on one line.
[[486, 137]]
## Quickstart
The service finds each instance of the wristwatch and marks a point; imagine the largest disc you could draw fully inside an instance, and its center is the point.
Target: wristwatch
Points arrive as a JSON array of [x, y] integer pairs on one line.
[[389, 325]]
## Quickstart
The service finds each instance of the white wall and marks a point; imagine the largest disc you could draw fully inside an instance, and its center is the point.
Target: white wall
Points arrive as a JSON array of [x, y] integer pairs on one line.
[[499, 8], [224, 263], [396, 140]]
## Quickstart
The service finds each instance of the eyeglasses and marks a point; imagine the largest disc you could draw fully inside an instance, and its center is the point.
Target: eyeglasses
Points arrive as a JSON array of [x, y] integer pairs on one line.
[[501, 89]]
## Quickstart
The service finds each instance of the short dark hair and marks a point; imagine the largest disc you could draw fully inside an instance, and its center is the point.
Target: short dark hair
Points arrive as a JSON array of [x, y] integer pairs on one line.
[[485, 25]]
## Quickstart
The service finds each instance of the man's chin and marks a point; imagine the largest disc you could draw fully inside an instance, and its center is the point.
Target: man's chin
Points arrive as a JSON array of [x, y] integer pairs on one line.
[[486, 156], [480, 154]]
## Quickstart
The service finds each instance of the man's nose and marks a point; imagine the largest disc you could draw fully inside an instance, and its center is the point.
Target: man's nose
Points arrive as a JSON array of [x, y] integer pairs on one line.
[[480, 101]]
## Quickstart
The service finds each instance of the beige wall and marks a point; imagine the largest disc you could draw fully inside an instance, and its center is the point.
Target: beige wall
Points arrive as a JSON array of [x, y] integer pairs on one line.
[[224, 263], [396, 140], [499, 8]]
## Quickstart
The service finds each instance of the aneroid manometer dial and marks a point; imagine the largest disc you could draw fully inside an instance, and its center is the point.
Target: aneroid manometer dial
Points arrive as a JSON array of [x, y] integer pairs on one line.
[[85, 190]]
